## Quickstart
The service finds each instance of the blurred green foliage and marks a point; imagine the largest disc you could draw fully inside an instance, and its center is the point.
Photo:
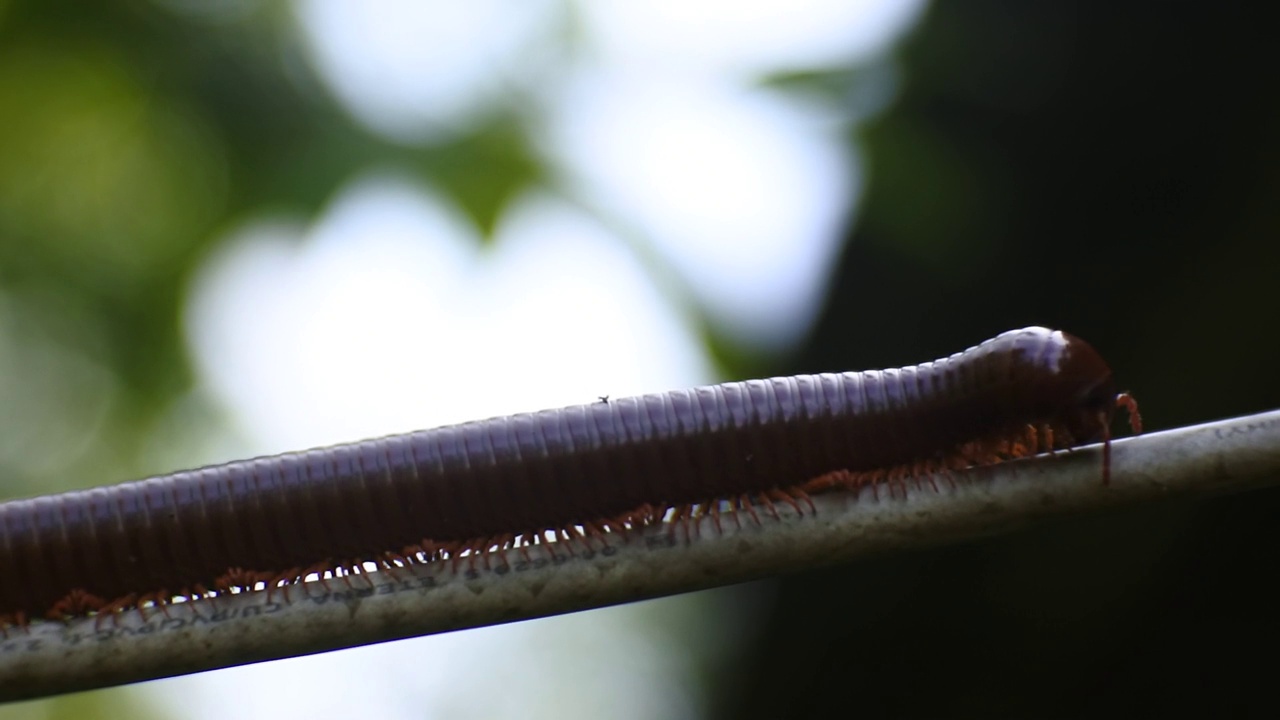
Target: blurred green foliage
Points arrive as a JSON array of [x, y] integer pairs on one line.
[[131, 136]]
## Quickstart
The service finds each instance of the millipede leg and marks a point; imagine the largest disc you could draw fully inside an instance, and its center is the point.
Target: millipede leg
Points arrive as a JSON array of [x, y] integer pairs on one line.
[[415, 553], [497, 544], [874, 482], [586, 534], [715, 517], [908, 481], [947, 475], [622, 525], [547, 541], [271, 586], [1130, 405], [114, 608], [361, 572], [548, 546], [700, 511], [890, 480], [199, 592], [16, 620], [568, 541], [824, 482], [679, 521], [593, 530], [281, 582], [735, 511], [156, 600], [452, 551], [434, 551], [474, 554], [925, 469], [885, 478], [1032, 440], [319, 569], [390, 562], [773, 510], [349, 568], [606, 529], [674, 522], [484, 548], [506, 542], [782, 496], [526, 539], [1046, 433], [799, 492], [1106, 449]]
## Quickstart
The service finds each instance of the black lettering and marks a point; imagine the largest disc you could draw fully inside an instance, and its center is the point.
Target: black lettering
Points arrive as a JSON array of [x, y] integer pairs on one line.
[[1224, 433]]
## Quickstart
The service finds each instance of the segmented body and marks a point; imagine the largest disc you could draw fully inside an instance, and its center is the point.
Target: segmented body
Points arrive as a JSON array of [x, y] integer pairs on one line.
[[495, 483]]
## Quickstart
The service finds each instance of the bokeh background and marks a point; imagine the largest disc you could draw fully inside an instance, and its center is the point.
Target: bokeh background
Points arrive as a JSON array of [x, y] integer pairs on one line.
[[247, 226]]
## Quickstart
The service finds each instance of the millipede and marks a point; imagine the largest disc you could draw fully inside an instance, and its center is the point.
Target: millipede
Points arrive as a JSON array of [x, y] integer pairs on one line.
[[574, 475]]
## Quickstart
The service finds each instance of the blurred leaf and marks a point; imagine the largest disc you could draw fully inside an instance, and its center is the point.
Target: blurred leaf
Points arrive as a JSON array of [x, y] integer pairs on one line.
[[114, 703], [485, 169], [930, 197], [99, 179]]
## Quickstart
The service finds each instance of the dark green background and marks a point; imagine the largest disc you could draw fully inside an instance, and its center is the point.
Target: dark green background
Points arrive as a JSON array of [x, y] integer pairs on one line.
[[1108, 168]]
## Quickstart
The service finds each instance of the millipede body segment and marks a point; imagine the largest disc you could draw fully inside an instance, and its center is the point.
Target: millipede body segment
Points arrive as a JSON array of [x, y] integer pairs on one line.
[[589, 470]]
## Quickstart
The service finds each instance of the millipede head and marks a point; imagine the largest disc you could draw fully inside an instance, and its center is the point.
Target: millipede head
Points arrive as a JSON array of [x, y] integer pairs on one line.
[[1086, 391]]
